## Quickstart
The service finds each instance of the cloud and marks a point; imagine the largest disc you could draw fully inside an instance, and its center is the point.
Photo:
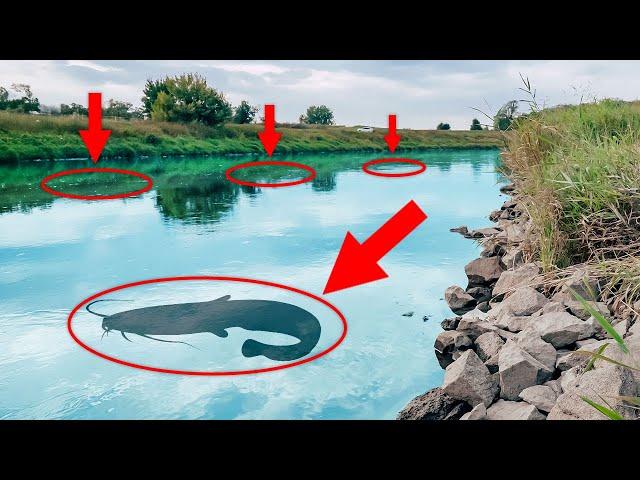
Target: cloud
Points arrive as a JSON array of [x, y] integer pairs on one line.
[[92, 66]]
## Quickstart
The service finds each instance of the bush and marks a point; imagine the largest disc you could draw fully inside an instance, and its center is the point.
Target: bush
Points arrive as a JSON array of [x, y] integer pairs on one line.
[[443, 126]]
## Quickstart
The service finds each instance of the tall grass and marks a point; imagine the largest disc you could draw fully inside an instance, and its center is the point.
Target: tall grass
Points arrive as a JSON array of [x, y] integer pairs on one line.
[[25, 137], [577, 169]]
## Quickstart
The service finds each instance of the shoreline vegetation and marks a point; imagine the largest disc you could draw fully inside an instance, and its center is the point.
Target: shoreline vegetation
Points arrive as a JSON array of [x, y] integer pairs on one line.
[[548, 326], [31, 137]]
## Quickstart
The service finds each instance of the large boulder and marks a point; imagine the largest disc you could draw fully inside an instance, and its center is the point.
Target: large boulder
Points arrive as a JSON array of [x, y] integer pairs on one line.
[[522, 302], [467, 379], [505, 410], [522, 276], [458, 300], [580, 282], [540, 396], [518, 370], [488, 344], [433, 405], [479, 412], [474, 327], [514, 323], [481, 294], [562, 328], [449, 342], [537, 348], [597, 384], [483, 271]]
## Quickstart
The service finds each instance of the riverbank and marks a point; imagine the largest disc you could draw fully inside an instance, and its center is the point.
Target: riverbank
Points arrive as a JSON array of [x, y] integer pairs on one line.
[[30, 137], [547, 326]]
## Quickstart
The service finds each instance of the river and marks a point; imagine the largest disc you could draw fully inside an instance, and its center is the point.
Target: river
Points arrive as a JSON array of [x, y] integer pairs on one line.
[[55, 252]]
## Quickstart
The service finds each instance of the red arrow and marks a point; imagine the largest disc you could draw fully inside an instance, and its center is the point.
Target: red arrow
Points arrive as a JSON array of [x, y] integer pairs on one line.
[[392, 138], [95, 138], [269, 137], [358, 263]]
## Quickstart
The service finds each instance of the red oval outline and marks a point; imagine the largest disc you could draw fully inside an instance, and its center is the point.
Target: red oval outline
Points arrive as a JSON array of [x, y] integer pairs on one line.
[[240, 166], [207, 373], [366, 165], [63, 173]]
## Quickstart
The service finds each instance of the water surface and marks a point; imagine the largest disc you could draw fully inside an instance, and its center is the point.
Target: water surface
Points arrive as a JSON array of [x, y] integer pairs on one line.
[[55, 252]]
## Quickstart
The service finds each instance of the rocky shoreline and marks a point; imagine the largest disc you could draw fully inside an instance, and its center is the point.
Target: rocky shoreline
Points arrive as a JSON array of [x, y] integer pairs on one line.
[[518, 349]]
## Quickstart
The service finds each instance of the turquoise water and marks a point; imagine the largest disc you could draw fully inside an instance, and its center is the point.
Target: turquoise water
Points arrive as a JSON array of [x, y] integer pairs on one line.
[[55, 252]]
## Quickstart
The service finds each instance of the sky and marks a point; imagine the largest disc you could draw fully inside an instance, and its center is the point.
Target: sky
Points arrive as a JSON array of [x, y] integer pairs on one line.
[[421, 93]]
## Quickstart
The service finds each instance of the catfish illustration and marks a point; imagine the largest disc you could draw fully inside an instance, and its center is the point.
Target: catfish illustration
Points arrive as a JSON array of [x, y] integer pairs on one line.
[[216, 317]]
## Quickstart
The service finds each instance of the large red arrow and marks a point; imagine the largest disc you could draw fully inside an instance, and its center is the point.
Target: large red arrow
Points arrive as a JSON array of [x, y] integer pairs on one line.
[[95, 138], [392, 138], [358, 263], [269, 137]]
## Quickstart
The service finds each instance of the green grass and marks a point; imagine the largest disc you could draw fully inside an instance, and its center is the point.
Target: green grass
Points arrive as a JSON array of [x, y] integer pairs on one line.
[[28, 137]]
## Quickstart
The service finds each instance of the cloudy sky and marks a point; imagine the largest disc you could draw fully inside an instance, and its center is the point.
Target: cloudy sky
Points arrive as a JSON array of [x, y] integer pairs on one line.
[[421, 93]]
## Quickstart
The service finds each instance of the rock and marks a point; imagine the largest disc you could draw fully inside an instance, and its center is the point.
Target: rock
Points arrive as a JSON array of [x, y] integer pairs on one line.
[[481, 294], [536, 347], [483, 271], [483, 307], [509, 204], [555, 386], [450, 323], [504, 410], [488, 344], [607, 383], [513, 323], [509, 280], [634, 330], [586, 341], [461, 229], [479, 412], [515, 232], [458, 300], [550, 308], [562, 328], [569, 378], [475, 313], [540, 396], [621, 327], [433, 405], [510, 187], [579, 281], [495, 215], [519, 370], [513, 258], [462, 408], [449, 342], [522, 302], [568, 359], [492, 365], [467, 379], [408, 314], [576, 308], [484, 232], [474, 327]]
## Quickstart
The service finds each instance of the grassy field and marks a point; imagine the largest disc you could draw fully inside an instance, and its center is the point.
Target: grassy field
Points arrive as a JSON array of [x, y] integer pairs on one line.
[[577, 171], [26, 137]]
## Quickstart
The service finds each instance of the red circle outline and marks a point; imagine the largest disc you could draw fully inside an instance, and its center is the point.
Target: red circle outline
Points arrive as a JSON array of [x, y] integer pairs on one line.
[[377, 161], [63, 173], [207, 373], [240, 166]]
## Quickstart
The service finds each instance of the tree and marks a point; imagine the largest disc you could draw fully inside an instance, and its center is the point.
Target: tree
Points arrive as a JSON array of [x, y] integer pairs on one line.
[[186, 98], [443, 126], [116, 108], [151, 90], [25, 103], [244, 113], [475, 125], [73, 109], [505, 116], [318, 115]]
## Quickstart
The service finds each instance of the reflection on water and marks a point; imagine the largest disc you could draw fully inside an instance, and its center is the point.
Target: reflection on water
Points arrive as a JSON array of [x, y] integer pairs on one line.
[[216, 317], [54, 252]]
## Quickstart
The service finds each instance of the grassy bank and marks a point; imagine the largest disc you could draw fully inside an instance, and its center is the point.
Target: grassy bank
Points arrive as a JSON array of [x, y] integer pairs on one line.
[[577, 171], [26, 137]]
